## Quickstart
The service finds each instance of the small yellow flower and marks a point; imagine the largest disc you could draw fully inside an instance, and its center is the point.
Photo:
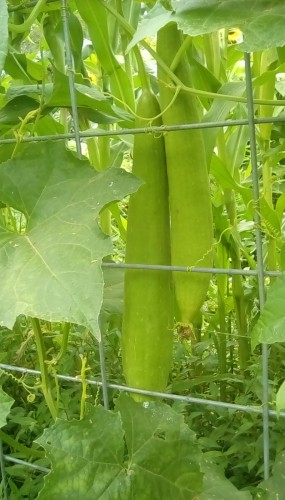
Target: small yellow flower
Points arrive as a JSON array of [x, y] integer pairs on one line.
[[234, 35]]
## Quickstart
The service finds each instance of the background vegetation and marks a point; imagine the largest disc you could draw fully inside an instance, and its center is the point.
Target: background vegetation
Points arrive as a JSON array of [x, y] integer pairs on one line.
[[55, 300]]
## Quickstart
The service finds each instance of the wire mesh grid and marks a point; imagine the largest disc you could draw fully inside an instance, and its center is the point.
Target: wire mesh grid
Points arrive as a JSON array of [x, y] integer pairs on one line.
[[260, 272]]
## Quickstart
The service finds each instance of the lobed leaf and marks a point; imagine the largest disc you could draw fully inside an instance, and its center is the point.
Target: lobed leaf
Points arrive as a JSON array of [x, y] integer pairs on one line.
[[275, 485], [53, 270], [88, 456], [142, 450]]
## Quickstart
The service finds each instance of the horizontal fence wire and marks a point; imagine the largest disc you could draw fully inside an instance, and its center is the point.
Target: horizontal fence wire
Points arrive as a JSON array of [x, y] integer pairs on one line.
[[24, 463], [79, 136], [124, 388], [187, 269]]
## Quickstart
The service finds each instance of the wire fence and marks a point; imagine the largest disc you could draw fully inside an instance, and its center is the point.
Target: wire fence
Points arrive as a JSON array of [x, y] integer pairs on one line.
[[260, 272]]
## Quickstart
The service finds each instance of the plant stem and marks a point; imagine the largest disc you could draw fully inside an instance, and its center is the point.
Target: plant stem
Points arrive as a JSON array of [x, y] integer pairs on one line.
[[142, 71], [239, 302], [83, 385], [99, 157], [222, 261], [237, 285], [104, 163], [65, 327], [124, 42], [262, 62], [180, 53], [267, 91], [25, 26], [46, 385]]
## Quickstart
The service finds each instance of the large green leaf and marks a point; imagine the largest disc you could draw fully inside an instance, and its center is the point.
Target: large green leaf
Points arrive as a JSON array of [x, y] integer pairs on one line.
[[163, 455], [16, 67], [275, 485], [88, 457], [53, 270], [16, 110], [4, 32], [5, 405], [270, 326], [217, 487], [90, 100], [262, 21], [141, 451]]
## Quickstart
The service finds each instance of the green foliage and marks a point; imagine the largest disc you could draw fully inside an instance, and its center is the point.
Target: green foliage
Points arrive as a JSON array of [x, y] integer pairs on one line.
[[142, 449], [60, 199], [49, 197], [270, 325], [197, 18], [95, 15], [274, 486]]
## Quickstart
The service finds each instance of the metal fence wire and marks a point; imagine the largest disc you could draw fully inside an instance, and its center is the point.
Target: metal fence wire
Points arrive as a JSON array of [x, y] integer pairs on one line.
[[260, 272]]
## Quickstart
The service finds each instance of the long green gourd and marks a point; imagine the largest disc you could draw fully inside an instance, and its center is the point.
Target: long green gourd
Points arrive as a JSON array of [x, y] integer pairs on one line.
[[189, 190], [148, 314]]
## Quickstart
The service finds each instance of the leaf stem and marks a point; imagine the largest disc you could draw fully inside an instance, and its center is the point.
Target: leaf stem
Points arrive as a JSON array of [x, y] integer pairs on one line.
[[234, 251], [84, 386], [46, 385], [65, 336]]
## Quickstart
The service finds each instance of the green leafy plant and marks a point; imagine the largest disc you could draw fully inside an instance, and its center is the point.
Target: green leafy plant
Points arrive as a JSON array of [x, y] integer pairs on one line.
[[59, 212], [141, 449]]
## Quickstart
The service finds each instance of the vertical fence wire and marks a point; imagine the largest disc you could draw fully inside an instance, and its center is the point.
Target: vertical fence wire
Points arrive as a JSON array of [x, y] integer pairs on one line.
[[70, 73], [260, 267], [259, 258]]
